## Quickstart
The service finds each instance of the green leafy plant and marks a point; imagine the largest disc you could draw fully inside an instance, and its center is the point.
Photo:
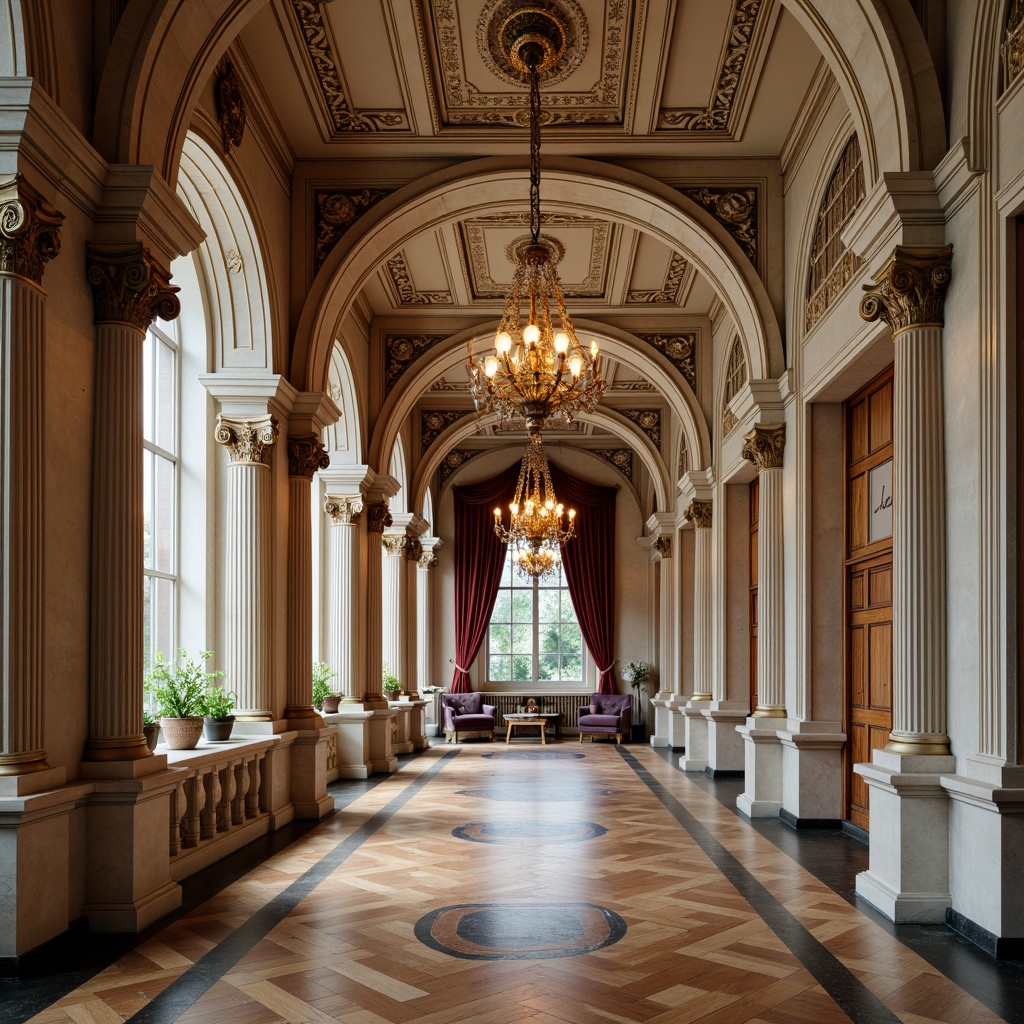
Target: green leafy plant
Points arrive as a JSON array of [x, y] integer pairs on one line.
[[636, 673], [322, 676], [217, 702], [179, 687], [148, 718], [390, 683]]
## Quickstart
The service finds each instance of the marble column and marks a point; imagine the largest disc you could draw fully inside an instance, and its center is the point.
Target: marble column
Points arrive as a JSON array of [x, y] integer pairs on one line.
[[696, 740], [909, 806], [305, 456], [378, 519], [764, 447], [29, 238], [247, 573], [343, 610], [394, 625], [130, 291]]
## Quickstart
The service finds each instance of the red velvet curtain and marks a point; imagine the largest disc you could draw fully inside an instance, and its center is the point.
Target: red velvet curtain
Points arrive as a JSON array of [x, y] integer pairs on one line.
[[589, 563], [479, 559]]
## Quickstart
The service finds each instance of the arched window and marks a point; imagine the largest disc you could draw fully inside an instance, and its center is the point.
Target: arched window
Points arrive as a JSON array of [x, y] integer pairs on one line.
[[735, 378], [832, 264]]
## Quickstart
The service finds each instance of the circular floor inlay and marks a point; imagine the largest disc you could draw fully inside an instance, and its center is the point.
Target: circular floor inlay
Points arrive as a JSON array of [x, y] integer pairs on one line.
[[529, 833], [519, 931], [513, 792], [533, 755]]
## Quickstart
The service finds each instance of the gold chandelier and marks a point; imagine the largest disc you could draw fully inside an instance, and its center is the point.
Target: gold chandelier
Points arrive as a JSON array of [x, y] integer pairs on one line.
[[535, 370], [539, 523]]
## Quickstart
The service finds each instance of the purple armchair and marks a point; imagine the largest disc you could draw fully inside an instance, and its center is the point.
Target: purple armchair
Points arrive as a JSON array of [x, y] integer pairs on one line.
[[466, 712], [609, 714]]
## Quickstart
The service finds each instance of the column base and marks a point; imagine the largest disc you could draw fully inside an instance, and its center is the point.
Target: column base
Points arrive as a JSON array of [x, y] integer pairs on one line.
[[902, 907], [303, 717], [127, 748], [696, 736], [812, 773], [677, 723], [725, 747], [662, 712], [308, 774], [762, 770], [382, 757], [401, 741], [353, 726]]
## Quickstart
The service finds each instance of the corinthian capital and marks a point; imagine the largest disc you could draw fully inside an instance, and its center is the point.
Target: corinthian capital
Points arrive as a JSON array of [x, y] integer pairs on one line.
[[764, 445], [910, 290], [663, 545], [306, 455], [699, 513], [378, 518], [393, 543], [343, 511], [427, 560], [29, 230], [247, 441], [129, 287]]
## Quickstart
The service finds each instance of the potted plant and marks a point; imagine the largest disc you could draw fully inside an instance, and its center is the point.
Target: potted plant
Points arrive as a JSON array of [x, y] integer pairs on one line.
[[217, 705], [150, 728], [324, 699], [179, 688], [390, 685], [637, 674]]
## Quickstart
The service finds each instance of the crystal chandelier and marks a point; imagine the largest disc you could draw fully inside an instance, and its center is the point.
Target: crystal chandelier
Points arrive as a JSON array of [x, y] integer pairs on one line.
[[539, 523], [535, 370]]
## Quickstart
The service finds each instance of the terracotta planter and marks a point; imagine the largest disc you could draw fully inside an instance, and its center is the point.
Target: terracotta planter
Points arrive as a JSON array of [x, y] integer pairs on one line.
[[217, 730], [331, 703], [181, 733], [152, 734]]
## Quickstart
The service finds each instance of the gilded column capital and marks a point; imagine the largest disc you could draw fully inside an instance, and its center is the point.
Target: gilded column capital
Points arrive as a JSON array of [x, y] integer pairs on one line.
[[343, 511], [764, 445], [129, 287], [29, 230], [413, 549], [378, 518], [663, 545], [699, 513], [393, 543], [427, 560], [910, 290], [247, 441], [306, 454]]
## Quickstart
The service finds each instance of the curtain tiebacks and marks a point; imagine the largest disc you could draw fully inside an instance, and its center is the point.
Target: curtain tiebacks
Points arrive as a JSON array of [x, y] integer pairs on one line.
[[459, 668], [603, 671]]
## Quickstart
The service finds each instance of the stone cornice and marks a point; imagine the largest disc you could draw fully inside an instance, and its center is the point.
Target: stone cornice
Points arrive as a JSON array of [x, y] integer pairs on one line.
[[764, 445], [29, 230], [699, 513], [910, 290], [247, 441], [306, 455], [128, 287]]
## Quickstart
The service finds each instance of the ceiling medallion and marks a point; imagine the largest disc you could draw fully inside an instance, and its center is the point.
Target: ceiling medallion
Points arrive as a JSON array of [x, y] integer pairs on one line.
[[516, 250], [558, 27]]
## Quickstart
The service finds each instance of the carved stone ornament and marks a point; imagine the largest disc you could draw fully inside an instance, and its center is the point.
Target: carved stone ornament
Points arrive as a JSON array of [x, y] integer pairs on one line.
[[393, 544], [230, 109], [454, 459], [335, 213], [129, 287], [413, 550], [680, 350], [405, 289], [663, 545], [247, 441], [306, 455], [672, 288], [765, 445], [699, 513], [1013, 45], [378, 518], [910, 290], [427, 561], [401, 350], [735, 209], [435, 421], [343, 511], [648, 420], [29, 230], [620, 458]]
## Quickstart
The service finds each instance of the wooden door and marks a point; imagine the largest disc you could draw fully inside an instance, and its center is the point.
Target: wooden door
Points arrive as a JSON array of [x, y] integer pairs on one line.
[[754, 520], [867, 659]]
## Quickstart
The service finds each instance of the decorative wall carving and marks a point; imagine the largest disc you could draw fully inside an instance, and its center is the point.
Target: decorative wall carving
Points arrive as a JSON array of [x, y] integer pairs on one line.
[[910, 290], [247, 441], [620, 458], [426, 561], [233, 261], [454, 459], [735, 209], [735, 378], [413, 549], [443, 384], [306, 455], [393, 544], [632, 385], [230, 109], [343, 511], [336, 211], [129, 287], [684, 458], [378, 517], [648, 420], [671, 290], [401, 351], [663, 545], [401, 278], [717, 115], [680, 350], [765, 445], [29, 230], [698, 512], [320, 48], [1013, 44], [433, 422]]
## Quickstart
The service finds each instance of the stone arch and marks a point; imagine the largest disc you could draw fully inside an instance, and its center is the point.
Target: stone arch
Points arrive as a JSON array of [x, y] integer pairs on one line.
[[13, 51], [398, 469], [344, 437]]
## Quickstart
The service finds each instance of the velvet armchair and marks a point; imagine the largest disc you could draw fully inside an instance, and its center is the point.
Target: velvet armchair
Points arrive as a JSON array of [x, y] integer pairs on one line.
[[608, 714], [466, 712]]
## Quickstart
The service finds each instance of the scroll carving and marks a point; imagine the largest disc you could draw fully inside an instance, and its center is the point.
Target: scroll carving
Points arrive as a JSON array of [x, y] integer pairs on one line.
[[343, 511], [29, 230], [306, 455], [910, 290], [765, 445], [699, 513], [247, 441]]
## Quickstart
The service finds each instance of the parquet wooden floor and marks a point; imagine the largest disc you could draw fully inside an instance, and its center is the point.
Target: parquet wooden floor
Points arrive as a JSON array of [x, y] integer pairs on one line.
[[720, 926]]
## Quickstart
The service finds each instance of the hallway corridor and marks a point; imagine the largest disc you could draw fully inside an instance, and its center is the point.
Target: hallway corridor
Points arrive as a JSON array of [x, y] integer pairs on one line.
[[574, 883]]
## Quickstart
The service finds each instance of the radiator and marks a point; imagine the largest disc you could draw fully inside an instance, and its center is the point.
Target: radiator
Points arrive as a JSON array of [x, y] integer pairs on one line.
[[566, 703]]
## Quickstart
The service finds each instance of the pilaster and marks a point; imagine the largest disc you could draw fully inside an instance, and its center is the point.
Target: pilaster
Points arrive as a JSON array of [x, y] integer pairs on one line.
[[344, 620], [699, 513], [425, 564]]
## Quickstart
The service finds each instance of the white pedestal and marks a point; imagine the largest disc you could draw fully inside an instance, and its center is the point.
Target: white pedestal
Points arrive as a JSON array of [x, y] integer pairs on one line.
[[401, 738], [382, 757], [812, 779], [762, 777], [696, 737], [725, 746], [662, 714], [352, 723]]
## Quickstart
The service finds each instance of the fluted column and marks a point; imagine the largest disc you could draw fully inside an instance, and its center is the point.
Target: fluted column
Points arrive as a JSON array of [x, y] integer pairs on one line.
[[426, 562], [129, 292], [305, 456], [393, 618], [247, 574], [29, 238], [908, 295], [343, 609], [668, 630], [378, 519], [699, 513], [764, 447]]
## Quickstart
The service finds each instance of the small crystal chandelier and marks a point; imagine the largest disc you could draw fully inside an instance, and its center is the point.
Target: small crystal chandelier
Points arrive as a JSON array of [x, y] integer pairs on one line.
[[535, 370], [539, 523]]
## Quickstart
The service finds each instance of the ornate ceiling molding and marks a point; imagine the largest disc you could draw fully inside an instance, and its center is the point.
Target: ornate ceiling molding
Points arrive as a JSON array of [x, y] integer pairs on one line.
[[401, 279], [455, 459], [443, 384], [401, 351], [648, 420], [620, 458], [673, 288], [735, 209], [433, 423], [319, 44], [717, 116], [680, 350], [335, 211], [631, 386]]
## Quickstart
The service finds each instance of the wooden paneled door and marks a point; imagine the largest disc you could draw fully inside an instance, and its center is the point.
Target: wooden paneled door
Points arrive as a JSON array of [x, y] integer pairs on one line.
[[867, 662], [754, 520]]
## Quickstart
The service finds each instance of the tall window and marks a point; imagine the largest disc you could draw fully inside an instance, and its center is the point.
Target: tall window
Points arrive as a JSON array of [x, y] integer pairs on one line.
[[160, 490], [533, 635]]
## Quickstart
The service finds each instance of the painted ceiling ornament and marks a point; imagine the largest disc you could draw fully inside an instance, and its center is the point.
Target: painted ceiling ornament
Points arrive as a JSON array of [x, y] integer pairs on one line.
[[401, 277], [680, 350], [648, 420], [735, 209], [620, 458], [764, 445], [230, 109], [672, 289], [29, 230], [434, 422], [402, 350], [455, 459], [1013, 46], [336, 211], [910, 289]]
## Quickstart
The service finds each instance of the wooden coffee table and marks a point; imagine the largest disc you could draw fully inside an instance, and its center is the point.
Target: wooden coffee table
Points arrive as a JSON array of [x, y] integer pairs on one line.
[[518, 719]]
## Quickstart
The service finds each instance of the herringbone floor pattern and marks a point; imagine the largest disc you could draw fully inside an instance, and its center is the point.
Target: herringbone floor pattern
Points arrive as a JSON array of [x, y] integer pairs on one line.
[[695, 949]]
